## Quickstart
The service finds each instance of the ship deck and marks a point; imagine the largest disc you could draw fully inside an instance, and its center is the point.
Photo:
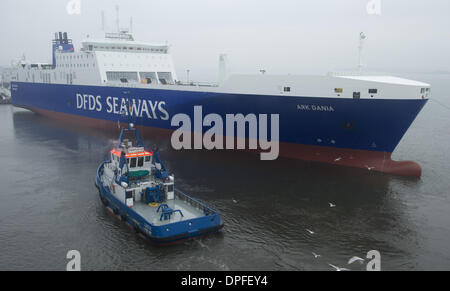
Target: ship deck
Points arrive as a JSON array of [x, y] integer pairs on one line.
[[150, 214]]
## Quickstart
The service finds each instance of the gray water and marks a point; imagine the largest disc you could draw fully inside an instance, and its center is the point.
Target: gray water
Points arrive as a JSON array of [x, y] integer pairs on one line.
[[49, 204]]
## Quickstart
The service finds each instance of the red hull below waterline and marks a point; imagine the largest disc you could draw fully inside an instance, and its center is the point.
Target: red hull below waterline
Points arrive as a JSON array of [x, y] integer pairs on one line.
[[368, 160]]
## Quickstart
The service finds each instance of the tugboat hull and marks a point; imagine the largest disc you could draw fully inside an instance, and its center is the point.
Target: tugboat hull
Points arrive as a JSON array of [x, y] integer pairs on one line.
[[163, 234]]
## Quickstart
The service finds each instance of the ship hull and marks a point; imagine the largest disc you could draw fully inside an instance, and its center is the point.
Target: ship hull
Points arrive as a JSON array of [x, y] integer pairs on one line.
[[347, 132], [158, 235]]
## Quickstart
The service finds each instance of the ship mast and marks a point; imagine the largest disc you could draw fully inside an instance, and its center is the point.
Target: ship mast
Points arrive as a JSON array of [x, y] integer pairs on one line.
[[118, 18], [362, 37]]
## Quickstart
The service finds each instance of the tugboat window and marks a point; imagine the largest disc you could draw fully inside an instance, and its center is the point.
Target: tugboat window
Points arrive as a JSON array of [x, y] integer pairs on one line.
[[141, 162], [147, 158], [133, 163]]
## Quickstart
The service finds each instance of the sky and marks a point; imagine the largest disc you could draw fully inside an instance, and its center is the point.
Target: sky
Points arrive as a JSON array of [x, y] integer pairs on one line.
[[279, 36]]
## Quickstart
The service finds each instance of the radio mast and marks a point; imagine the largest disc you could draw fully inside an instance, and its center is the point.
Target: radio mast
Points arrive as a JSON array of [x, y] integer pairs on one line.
[[362, 38], [103, 20], [118, 18]]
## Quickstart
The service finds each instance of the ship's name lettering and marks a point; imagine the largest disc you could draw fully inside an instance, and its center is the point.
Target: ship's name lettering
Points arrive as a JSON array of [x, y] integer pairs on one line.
[[115, 105], [309, 107]]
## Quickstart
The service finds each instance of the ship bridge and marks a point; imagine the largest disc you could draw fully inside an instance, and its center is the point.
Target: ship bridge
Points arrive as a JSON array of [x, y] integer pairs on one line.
[[123, 42], [116, 60]]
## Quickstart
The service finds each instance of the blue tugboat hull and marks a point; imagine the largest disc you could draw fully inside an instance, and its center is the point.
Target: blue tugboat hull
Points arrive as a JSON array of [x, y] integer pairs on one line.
[[159, 234]]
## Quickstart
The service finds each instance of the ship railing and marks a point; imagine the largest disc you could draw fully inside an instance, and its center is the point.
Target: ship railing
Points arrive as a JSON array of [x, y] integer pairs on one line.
[[194, 203], [140, 85], [355, 74], [197, 84]]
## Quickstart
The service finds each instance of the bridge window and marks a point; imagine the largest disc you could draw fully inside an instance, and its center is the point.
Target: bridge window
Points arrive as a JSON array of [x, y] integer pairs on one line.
[[356, 95], [119, 76], [141, 162], [373, 91], [148, 77], [147, 159], [133, 163], [165, 78]]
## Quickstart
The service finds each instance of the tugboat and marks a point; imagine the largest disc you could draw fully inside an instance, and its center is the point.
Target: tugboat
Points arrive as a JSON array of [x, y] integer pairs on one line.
[[136, 186]]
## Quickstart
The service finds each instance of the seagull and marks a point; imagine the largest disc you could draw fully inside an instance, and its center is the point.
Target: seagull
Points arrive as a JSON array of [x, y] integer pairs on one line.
[[338, 159], [310, 231], [332, 205], [235, 201], [316, 255], [355, 259], [338, 268], [370, 168]]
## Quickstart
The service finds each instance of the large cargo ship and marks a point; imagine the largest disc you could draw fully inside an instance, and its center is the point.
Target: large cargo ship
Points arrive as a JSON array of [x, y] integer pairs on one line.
[[354, 120]]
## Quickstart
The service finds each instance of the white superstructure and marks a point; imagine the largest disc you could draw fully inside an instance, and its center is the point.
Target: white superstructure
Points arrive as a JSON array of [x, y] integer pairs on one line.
[[119, 60], [115, 59]]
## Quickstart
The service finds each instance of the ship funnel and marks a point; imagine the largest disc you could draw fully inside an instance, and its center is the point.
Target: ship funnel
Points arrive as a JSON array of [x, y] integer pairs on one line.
[[60, 36], [223, 68]]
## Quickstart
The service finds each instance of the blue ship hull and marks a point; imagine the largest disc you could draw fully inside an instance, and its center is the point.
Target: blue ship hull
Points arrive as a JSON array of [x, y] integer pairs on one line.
[[356, 132]]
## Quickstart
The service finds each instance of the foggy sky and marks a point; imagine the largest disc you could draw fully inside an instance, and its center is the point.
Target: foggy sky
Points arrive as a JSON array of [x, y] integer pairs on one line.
[[280, 36]]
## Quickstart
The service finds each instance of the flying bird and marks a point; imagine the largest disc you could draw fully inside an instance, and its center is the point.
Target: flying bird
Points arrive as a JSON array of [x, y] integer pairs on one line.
[[316, 255], [332, 205], [355, 259], [338, 268], [338, 159], [310, 231], [370, 168], [235, 201]]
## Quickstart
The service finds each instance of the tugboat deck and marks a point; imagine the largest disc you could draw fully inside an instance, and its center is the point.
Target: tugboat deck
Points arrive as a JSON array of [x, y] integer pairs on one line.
[[150, 214]]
